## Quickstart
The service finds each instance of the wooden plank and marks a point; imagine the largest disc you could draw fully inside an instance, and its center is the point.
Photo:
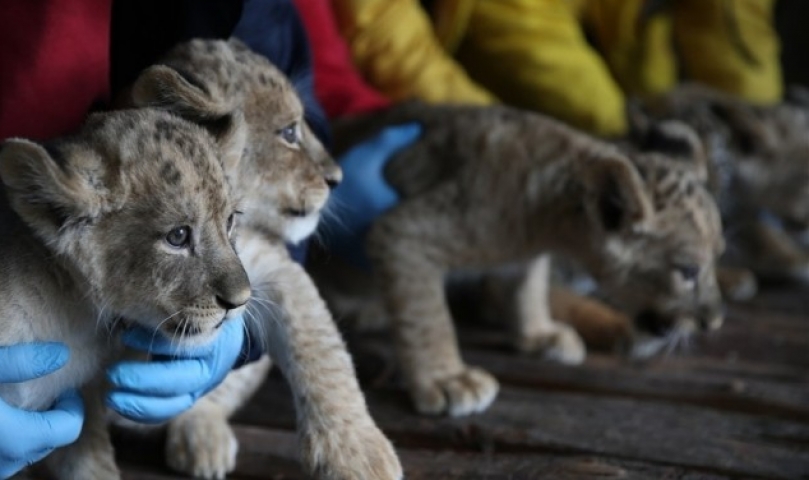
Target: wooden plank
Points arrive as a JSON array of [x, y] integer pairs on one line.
[[449, 465], [782, 298], [730, 384], [263, 454], [703, 440], [693, 438], [270, 454]]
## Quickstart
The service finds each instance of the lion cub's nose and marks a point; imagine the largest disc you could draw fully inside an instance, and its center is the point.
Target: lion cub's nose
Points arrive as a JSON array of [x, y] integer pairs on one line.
[[233, 300]]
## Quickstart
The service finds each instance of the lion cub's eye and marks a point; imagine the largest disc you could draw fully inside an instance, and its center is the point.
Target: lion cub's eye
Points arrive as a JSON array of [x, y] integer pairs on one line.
[[290, 133], [689, 272], [179, 237]]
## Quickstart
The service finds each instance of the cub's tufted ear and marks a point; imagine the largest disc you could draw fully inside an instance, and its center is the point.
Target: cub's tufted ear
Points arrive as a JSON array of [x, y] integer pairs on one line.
[[230, 133], [180, 92], [616, 197], [679, 141], [190, 97], [42, 189]]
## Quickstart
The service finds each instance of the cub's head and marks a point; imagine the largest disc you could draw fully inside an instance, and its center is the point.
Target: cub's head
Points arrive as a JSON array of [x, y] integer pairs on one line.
[[137, 207], [285, 174], [657, 233], [767, 146]]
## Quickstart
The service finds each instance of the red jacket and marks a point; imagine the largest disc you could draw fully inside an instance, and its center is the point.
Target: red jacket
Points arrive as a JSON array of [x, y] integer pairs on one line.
[[338, 86], [54, 65]]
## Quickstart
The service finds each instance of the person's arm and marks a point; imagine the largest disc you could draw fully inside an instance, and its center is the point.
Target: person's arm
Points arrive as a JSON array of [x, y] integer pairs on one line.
[[394, 46], [732, 46]]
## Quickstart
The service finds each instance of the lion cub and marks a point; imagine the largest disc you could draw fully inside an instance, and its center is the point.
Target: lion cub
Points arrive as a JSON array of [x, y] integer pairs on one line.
[[128, 219], [488, 186], [284, 179], [759, 162]]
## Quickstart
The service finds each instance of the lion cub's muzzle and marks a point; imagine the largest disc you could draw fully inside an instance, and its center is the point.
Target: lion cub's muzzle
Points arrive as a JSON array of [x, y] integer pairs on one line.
[[228, 293]]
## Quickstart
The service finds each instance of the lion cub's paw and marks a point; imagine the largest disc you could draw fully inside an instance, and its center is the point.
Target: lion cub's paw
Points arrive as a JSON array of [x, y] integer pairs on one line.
[[470, 391], [350, 453], [200, 443], [562, 344]]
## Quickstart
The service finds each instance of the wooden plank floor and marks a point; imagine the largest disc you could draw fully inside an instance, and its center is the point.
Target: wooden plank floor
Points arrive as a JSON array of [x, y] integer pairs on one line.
[[735, 404]]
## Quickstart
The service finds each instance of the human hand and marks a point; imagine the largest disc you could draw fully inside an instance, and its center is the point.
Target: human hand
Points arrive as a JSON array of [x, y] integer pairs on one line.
[[36, 434], [364, 194], [158, 390]]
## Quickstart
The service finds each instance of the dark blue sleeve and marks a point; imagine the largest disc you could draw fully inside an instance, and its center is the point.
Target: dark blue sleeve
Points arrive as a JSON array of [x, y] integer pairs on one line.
[[144, 30], [274, 29]]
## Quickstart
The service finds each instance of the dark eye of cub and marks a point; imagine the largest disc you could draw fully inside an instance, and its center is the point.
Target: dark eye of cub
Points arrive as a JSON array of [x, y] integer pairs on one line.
[[689, 272], [179, 237], [289, 133], [230, 223]]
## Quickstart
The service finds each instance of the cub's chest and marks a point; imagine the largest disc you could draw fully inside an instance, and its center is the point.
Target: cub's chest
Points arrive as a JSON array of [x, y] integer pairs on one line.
[[52, 320]]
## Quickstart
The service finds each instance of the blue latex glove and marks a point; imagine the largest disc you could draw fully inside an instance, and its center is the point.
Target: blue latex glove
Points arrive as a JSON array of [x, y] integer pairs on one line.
[[160, 389], [29, 436], [364, 194]]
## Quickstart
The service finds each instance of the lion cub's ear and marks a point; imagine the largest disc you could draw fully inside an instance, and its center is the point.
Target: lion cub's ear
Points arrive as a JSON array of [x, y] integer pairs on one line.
[[182, 93], [40, 187], [189, 97], [616, 198], [677, 140]]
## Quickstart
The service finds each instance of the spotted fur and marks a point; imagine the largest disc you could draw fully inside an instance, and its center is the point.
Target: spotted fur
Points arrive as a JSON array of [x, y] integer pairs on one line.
[[86, 222]]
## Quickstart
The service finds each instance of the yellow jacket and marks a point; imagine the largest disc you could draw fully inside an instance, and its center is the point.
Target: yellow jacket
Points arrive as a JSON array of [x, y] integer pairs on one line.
[[533, 53], [394, 46]]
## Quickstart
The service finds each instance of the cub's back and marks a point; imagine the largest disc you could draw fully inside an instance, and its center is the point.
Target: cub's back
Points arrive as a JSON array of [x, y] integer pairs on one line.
[[491, 139]]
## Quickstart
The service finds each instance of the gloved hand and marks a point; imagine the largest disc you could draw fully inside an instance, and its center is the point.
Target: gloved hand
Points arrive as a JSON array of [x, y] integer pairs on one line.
[[158, 390], [364, 194], [30, 436]]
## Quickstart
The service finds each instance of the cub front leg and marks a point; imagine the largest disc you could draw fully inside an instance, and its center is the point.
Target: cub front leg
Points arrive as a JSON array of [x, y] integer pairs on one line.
[[200, 442], [92, 456], [409, 248], [339, 439], [535, 331]]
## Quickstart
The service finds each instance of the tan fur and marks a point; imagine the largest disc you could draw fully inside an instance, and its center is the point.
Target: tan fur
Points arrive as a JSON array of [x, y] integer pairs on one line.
[[759, 161], [86, 222], [284, 187], [635, 220]]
